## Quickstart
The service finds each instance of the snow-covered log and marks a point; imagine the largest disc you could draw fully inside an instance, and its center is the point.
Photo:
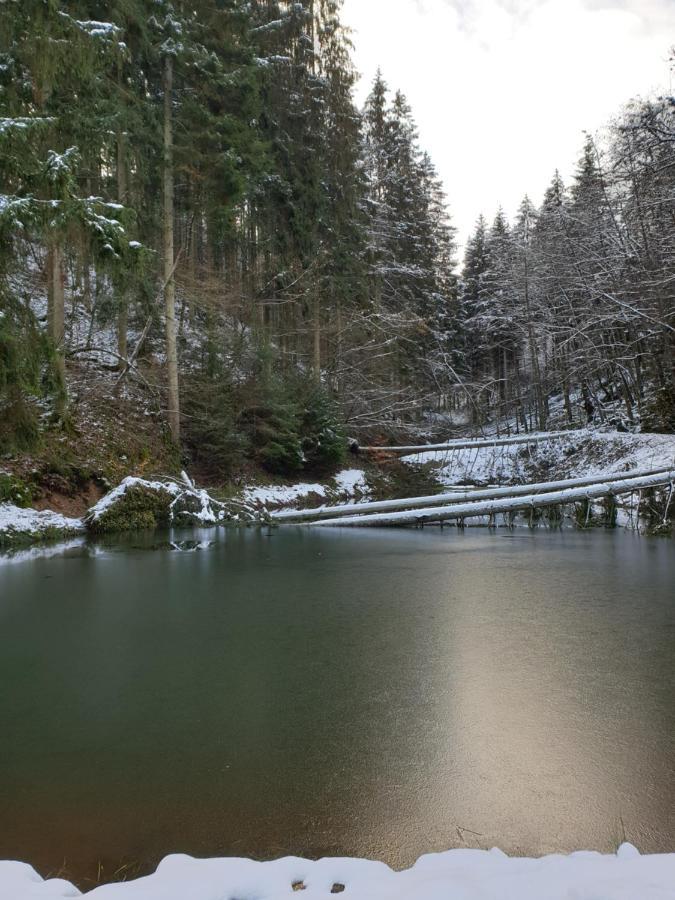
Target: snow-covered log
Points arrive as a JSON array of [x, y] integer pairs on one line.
[[476, 443], [507, 504], [456, 496]]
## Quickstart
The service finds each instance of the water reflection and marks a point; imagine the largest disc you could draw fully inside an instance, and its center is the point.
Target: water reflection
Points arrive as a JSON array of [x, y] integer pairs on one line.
[[381, 694]]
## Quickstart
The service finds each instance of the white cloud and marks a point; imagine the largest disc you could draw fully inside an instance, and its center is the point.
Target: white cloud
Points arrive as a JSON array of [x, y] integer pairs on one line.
[[503, 89]]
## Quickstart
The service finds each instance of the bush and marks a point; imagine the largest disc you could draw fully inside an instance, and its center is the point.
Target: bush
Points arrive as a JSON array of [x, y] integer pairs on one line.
[[272, 427], [138, 508], [211, 431], [323, 438], [26, 372], [14, 490], [18, 423], [660, 414], [285, 426]]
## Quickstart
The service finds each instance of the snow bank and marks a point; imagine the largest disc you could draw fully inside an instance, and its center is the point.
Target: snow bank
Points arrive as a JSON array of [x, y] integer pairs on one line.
[[282, 495], [455, 875], [585, 452], [346, 484], [18, 522], [352, 483]]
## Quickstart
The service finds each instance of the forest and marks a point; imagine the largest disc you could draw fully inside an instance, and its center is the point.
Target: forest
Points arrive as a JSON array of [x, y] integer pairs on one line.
[[336, 518], [199, 224]]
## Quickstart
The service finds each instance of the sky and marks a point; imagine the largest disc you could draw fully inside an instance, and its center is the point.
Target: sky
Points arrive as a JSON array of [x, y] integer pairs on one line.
[[503, 90]]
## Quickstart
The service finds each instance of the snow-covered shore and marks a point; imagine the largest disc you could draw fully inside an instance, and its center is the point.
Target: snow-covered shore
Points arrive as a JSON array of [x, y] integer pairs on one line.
[[346, 485], [17, 524], [455, 875], [587, 452]]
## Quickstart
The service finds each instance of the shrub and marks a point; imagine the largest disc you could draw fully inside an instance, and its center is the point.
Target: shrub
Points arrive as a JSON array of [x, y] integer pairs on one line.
[[136, 509], [26, 372], [211, 431], [660, 414], [284, 425], [14, 490], [272, 426], [323, 437]]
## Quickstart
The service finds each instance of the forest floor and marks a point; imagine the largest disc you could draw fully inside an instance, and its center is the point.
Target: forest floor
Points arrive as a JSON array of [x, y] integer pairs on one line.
[[106, 438]]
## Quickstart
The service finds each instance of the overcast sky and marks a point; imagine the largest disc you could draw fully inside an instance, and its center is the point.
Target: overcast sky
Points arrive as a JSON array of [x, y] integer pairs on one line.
[[502, 90]]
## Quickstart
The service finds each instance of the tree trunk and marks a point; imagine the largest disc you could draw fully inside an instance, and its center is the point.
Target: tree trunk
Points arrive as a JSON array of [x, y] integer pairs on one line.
[[338, 346], [56, 317], [123, 313], [316, 346], [56, 310], [173, 399]]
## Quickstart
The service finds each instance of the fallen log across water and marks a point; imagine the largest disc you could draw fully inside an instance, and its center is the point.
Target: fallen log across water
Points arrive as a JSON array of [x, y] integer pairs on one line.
[[506, 505], [475, 443], [458, 496]]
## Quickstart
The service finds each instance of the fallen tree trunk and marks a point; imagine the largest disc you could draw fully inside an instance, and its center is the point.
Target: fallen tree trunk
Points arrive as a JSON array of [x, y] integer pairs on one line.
[[475, 444], [508, 504], [459, 496]]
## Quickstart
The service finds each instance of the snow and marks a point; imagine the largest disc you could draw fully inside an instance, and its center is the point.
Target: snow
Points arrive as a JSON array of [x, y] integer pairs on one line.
[[117, 493], [352, 482], [15, 520], [92, 27], [583, 452], [22, 123], [211, 511], [479, 443], [454, 875], [507, 504], [61, 162], [282, 495], [347, 483], [457, 495], [269, 26]]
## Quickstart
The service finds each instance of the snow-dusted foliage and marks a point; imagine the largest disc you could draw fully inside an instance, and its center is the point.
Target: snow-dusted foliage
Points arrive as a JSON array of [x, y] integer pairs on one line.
[[571, 298], [139, 503]]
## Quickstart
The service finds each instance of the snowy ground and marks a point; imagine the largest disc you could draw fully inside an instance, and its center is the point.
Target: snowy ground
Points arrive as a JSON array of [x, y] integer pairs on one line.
[[455, 875], [584, 452], [346, 485], [15, 521], [31, 525]]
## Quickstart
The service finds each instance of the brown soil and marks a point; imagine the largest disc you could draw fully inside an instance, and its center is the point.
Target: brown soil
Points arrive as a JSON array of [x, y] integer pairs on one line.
[[69, 504]]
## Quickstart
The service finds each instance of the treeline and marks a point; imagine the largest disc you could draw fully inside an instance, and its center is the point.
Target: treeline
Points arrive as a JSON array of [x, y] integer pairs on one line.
[[194, 180], [192, 205], [575, 301]]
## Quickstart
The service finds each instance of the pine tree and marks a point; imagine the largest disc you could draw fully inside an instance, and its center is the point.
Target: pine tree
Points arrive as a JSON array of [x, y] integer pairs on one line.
[[53, 146]]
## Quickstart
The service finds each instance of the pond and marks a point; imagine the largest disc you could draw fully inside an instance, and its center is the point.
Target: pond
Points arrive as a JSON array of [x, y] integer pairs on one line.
[[330, 692]]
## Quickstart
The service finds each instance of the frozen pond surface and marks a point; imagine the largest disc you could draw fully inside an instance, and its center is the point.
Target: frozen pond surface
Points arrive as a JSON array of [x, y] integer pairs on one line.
[[377, 694]]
